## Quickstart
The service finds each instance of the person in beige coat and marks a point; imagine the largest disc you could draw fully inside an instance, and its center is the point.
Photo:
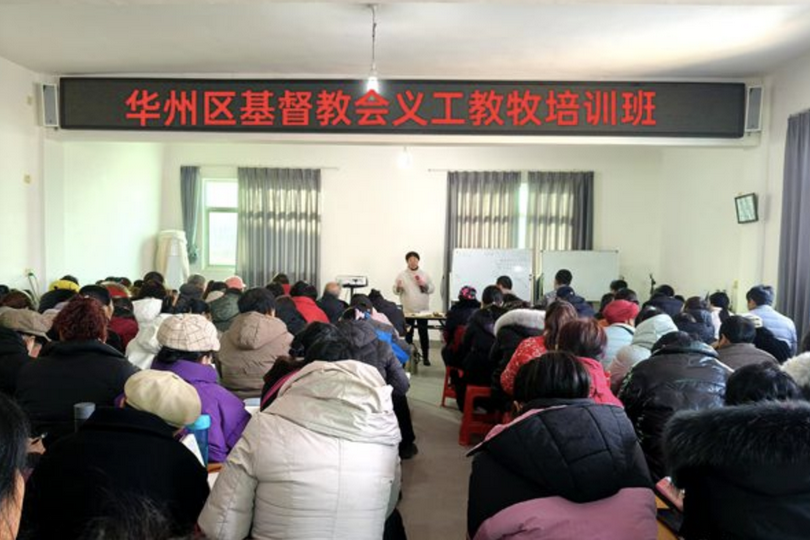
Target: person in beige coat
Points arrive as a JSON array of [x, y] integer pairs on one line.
[[249, 348], [319, 463]]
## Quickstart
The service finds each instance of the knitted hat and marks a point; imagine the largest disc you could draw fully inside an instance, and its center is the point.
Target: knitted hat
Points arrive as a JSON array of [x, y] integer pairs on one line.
[[235, 282], [64, 284], [620, 311], [467, 293], [26, 321], [187, 332], [165, 395]]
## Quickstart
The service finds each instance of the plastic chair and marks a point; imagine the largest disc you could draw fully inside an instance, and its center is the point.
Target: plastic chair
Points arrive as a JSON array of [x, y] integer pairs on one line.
[[472, 423], [449, 391]]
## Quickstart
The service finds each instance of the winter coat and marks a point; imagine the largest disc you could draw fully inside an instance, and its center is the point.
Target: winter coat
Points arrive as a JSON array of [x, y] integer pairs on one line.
[[584, 309], [66, 373], [309, 309], [529, 349], [287, 312], [781, 326], [618, 335], [320, 463], [479, 337], [248, 349], [511, 329], [118, 455], [737, 355], [702, 328], [369, 349], [141, 349], [673, 379], [668, 304], [647, 334], [413, 299], [744, 470], [126, 327], [227, 412], [225, 310], [332, 306], [390, 310], [563, 470], [386, 333], [458, 315], [13, 356]]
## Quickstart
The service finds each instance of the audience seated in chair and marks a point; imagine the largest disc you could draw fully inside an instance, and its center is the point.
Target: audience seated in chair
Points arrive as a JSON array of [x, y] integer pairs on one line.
[[322, 457], [566, 468], [77, 368], [683, 373], [188, 343], [557, 315], [250, 346], [121, 452]]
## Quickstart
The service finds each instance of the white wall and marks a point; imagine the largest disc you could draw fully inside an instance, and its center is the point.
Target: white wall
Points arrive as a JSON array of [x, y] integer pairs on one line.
[[669, 211], [374, 211], [20, 176], [103, 208]]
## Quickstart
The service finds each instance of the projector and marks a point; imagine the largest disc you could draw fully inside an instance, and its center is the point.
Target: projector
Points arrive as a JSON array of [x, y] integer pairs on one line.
[[352, 281]]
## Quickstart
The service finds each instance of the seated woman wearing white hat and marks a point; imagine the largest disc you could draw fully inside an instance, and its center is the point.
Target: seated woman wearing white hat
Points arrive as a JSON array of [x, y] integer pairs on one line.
[[121, 454]]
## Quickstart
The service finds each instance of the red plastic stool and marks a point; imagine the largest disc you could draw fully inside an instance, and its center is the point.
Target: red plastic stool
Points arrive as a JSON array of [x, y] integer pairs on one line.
[[449, 390], [472, 423]]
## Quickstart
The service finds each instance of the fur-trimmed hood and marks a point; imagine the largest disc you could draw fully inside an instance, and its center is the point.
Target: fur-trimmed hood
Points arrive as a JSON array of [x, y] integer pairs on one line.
[[529, 318], [750, 436], [798, 367]]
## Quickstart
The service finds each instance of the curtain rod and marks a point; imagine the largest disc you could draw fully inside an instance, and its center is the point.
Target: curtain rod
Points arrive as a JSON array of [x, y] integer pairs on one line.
[[322, 168], [508, 170]]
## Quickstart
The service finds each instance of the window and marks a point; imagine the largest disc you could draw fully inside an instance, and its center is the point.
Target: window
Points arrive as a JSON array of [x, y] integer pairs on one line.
[[221, 203]]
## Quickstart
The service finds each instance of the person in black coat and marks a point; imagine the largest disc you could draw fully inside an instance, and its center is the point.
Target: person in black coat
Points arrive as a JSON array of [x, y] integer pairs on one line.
[[683, 373], [457, 318], [120, 454], [584, 309], [79, 368], [562, 449], [286, 310], [744, 470], [330, 302], [13, 356], [390, 310], [664, 299], [479, 337]]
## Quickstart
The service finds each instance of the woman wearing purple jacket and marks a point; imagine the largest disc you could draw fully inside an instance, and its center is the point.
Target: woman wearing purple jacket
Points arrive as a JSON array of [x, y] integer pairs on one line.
[[188, 343]]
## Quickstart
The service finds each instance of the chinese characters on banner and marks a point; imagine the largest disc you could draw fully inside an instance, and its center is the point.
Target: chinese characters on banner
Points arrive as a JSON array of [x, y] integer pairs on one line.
[[296, 108], [641, 109]]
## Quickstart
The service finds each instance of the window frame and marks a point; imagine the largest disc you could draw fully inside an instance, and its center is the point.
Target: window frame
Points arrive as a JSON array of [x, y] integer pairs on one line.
[[208, 210]]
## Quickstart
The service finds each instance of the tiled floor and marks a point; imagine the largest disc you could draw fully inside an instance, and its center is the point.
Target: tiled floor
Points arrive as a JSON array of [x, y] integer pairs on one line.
[[434, 503]]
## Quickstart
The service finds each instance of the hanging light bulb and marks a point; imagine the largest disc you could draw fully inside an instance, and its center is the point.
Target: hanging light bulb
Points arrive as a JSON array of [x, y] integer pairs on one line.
[[373, 83]]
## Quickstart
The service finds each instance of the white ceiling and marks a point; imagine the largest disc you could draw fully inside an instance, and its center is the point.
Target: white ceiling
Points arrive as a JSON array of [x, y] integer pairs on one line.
[[546, 41]]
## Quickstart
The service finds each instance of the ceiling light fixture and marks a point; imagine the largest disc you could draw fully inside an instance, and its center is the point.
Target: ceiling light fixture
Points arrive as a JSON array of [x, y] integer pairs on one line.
[[373, 83]]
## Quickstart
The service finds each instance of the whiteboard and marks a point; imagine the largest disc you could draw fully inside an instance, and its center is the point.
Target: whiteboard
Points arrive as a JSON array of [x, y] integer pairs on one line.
[[481, 267], [593, 271]]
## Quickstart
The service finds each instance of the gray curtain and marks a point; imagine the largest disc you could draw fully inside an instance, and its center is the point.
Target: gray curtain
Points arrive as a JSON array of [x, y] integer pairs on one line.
[[482, 212], [793, 297], [279, 224], [191, 200], [560, 212]]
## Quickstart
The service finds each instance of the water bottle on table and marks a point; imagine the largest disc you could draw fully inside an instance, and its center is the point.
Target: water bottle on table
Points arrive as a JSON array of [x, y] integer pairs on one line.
[[200, 429]]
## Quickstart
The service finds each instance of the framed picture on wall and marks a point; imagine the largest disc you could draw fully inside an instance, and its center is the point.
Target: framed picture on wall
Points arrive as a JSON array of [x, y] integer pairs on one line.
[[747, 211]]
